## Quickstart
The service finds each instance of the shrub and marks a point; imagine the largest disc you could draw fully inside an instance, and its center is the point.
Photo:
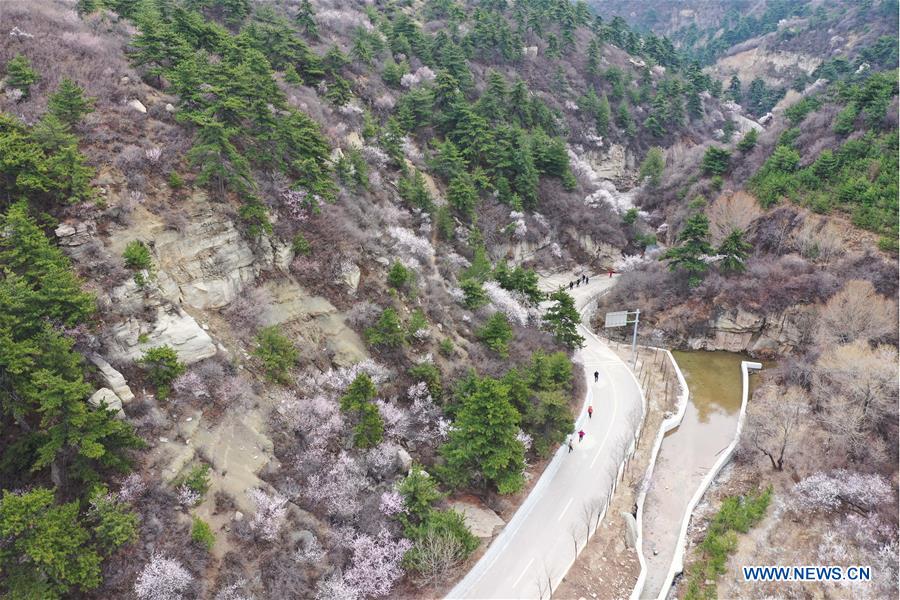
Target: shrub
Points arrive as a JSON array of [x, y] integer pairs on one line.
[[276, 352], [196, 480], [496, 334], [429, 374], [417, 327], [387, 331], [300, 245], [163, 367], [137, 256], [202, 535], [748, 142], [440, 546], [400, 277], [652, 167]]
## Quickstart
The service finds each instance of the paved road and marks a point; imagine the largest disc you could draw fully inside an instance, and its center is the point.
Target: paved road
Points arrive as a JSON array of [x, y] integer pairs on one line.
[[537, 544]]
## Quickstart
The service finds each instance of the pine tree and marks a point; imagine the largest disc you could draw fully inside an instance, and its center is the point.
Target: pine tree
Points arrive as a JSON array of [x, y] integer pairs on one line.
[[602, 116], [653, 165], [496, 334], [369, 428], [462, 196], [748, 142], [483, 443], [68, 103], [694, 247], [20, 75], [593, 59], [47, 548], [562, 319], [716, 161], [306, 19], [734, 89], [734, 251]]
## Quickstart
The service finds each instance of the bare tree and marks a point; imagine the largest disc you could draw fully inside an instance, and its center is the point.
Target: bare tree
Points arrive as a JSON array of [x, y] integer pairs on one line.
[[575, 533], [587, 517], [773, 422], [544, 582], [437, 557], [731, 211], [857, 312]]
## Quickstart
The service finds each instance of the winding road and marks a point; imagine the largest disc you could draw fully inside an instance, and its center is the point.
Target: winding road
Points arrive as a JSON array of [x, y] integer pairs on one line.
[[538, 546]]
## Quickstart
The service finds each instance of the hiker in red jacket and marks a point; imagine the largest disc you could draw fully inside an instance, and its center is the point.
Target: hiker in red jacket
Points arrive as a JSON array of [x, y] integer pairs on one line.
[[590, 412], [580, 435]]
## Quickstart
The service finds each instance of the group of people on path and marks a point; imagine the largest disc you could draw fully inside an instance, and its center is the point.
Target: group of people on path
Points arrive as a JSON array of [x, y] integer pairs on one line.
[[581, 433], [583, 279]]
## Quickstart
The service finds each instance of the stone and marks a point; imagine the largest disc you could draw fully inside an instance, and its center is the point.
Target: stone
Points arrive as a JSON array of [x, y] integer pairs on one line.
[[483, 522], [169, 108], [631, 532], [75, 234], [350, 275], [238, 516], [113, 402], [124, 80], [137, 105], [113, 379], [404, 459], [530, 51], [173, 327]]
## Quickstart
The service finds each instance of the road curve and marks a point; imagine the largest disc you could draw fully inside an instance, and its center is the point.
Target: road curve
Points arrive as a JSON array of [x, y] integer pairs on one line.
[[536, 548]]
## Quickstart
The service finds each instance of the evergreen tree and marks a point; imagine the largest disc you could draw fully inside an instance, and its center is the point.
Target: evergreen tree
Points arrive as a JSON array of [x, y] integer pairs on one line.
[[734, 89], [715, 161], [748, 142], [20, 75], [734, 251], [47, 550], [483, 443], [163, 367], [387, 330], [496, 334], [693, 248], [306, 19], [68, 103], [562, 319], [369, 428], [473, 294], [462, 196], [653, 166], [602, 116], [593, 59]]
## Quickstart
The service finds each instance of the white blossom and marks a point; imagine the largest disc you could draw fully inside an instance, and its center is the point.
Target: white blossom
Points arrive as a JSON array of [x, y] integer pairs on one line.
[[162, 579], [392, 503], [821, 491], [271, 513], [187, 497], [508, 303]]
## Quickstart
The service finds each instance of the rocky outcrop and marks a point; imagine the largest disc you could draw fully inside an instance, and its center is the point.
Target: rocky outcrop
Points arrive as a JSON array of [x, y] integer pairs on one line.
[[114, 380], [739, 330], [173, 327], [109, 398], [313, 320], [615, 164]]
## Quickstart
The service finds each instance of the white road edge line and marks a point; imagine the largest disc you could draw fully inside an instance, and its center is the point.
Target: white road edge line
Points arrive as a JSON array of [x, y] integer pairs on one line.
[[568, 504], [522, 574]]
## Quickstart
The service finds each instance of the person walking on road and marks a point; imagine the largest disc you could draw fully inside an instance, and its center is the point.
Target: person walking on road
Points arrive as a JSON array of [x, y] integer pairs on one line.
[[581, 435], [570, 444], [590, 412], [596, 376], [610, 273], [571, 284]]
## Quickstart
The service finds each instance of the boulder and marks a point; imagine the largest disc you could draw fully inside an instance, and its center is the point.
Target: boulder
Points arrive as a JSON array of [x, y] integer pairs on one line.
[[137, 105], [75, 234], [483, 522], [106, 395], [170, 108], [530, 51], [631, 532], [350, 275], [404, 459], [114, 380]]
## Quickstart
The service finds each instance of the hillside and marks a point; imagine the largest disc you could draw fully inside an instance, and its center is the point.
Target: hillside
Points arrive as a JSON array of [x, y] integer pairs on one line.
[[269, 271]]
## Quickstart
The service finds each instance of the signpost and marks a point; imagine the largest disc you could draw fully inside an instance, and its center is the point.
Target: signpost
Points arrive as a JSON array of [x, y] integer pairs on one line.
[[620, 319]]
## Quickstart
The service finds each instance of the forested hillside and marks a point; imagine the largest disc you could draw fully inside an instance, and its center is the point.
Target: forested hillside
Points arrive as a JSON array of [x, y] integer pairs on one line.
[[269, 271]]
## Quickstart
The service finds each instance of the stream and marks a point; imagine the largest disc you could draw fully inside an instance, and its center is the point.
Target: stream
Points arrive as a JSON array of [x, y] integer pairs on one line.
[[687, 454]]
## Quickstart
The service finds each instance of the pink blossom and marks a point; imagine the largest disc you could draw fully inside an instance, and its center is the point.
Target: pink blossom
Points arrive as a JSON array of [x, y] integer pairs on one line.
[[187, 497], [821, 491], [337, 486], [133, 487], [162, 579], [392, 503], [335, 587], [271, 513], [376, 563]]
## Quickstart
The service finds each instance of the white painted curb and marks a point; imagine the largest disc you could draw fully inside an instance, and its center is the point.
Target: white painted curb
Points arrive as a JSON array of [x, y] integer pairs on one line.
[[664, 428], [678, 559]]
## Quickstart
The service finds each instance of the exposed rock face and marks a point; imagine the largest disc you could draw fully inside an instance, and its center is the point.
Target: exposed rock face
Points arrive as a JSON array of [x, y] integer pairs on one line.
[[173, 327], [615, 164], [483, 522], [114, 380], [75, 234], [207, 265], [312, 319], [106, 395], [743, 331], [350, 275]]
